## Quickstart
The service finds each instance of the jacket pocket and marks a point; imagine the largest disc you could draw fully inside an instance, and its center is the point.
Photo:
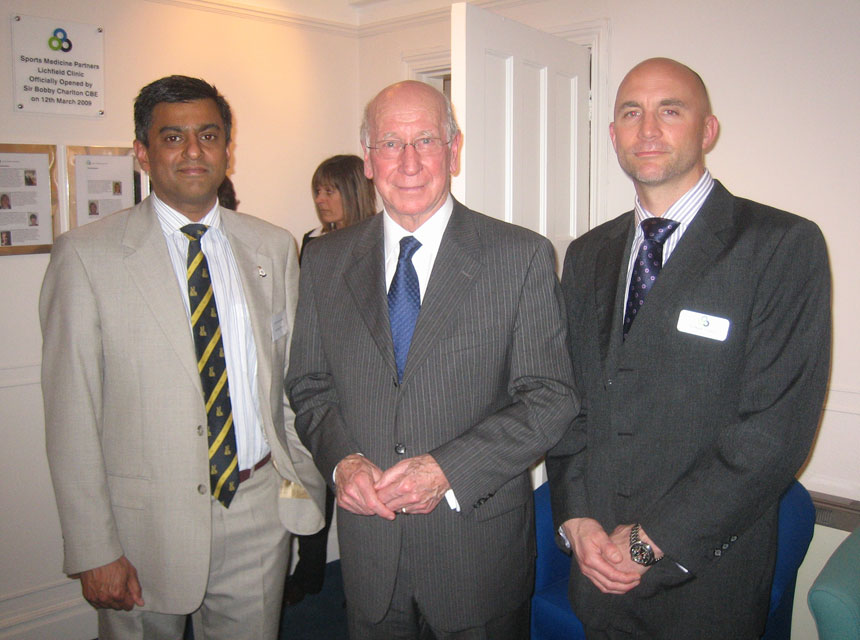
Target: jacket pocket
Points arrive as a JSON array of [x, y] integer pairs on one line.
[[127, 492]]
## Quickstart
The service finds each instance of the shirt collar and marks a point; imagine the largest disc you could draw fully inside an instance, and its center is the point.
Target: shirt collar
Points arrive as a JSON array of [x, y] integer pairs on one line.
[[428, 234], [172, 220], [686, 207]]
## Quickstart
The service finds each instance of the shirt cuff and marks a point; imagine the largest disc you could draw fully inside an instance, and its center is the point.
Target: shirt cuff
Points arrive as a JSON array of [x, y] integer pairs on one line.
[[452, 500]]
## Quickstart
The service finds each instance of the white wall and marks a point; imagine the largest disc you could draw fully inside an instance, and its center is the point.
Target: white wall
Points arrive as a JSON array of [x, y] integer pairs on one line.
[[783, 79]]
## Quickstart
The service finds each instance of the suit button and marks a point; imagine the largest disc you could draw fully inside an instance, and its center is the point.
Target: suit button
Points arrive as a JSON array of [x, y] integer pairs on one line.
[[201, 489], [400, 448], [199, 429]]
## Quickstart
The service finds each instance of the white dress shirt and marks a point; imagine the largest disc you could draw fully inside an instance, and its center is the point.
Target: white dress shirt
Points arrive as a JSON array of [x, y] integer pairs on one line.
[[239, 347], [429, 235]]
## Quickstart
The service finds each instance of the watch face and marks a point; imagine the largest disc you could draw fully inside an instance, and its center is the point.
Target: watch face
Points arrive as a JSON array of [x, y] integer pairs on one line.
[[641, 553]]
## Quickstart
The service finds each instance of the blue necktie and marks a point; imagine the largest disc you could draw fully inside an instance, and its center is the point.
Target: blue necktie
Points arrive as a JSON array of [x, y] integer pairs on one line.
[[404, 302], [647, 266]]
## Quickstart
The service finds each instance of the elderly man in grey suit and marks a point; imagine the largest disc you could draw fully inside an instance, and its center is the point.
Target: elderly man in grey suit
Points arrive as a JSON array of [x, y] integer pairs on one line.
[[166, 332], [700, 340], [427, 367]]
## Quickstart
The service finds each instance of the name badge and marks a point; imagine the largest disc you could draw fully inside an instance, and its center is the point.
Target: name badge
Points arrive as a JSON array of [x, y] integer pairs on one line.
[[703, 325], [279, 326]]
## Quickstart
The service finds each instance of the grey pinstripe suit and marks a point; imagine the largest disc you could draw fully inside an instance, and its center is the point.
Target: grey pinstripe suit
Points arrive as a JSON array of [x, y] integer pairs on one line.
[[486, 391]]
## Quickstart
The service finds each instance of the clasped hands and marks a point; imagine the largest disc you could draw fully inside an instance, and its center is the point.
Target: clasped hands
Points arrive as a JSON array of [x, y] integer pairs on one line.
[[605, 558], [414, 486]]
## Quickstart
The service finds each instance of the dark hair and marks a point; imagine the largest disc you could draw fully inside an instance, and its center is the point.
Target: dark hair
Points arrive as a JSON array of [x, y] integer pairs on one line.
[[346, 174], [227, 195], [176, 89]]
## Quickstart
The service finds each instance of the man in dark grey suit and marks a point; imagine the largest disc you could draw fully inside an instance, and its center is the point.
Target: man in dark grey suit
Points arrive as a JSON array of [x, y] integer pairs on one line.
[[455, 416], [699, 401]]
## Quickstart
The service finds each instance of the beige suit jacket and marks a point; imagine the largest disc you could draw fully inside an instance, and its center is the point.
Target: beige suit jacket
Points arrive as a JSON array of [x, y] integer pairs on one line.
[[124, 415]]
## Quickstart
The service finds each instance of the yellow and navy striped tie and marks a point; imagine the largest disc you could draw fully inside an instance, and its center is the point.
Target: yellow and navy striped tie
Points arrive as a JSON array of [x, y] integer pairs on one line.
[[212, 366]]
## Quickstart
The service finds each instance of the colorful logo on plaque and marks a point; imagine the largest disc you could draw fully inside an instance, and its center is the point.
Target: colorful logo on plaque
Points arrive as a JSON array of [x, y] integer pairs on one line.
[[60, 41]]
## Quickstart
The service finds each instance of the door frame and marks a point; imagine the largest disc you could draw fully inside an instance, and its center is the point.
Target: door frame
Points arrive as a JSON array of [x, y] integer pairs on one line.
[[430, 63]]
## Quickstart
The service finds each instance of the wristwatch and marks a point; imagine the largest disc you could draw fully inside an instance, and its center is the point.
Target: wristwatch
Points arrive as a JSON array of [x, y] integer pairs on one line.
[[641, 552]]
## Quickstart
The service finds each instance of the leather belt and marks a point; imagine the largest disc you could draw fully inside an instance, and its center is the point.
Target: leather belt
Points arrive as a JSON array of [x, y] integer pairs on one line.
[[245, 474]]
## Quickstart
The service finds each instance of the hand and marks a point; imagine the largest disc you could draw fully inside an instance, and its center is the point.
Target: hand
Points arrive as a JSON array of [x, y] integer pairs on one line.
[[354, 479], [415, 484], [621, 537], [112, 586], [601, 559]]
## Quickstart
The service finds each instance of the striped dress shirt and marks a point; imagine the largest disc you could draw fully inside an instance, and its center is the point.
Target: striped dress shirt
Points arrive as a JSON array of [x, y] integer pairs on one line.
[[236, 333], [683, 212]]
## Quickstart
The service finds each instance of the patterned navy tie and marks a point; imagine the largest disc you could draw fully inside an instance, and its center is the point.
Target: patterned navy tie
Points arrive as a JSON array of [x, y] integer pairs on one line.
[[647, 266], [404, 302], [212, 366]]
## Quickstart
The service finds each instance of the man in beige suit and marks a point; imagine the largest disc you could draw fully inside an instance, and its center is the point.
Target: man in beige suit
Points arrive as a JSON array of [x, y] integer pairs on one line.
[[162, 516]]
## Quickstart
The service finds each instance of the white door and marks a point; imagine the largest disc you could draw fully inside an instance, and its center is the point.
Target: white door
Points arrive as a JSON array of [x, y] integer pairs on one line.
[[521, 99]]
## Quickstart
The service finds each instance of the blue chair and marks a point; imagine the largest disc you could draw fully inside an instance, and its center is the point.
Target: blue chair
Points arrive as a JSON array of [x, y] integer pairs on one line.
[[834, 598], [553, 619], [796, 524]]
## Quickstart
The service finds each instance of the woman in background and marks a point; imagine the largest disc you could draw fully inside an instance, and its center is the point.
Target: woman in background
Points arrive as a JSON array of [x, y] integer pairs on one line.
[[342, 195]]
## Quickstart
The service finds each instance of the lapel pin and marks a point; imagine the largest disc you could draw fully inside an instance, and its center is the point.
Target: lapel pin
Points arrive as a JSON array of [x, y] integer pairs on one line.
[[261, 271]]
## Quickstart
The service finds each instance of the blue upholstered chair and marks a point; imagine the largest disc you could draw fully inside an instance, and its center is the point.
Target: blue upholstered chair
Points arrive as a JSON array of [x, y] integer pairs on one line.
[[796, 524], [834, 598], [553, 619]]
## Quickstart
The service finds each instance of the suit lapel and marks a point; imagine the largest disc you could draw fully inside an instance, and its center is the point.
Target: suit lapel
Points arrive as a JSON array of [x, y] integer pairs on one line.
[[707, 236], [610, 280], [457, 265], [367, 266], [149, 267]]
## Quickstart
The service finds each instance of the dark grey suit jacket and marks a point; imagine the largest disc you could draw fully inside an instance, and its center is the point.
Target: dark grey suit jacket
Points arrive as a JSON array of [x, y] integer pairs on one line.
[[486, 391], [693, 437]]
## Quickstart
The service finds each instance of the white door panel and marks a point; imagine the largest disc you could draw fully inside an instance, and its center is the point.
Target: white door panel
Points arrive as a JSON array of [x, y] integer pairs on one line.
[[521, 97]]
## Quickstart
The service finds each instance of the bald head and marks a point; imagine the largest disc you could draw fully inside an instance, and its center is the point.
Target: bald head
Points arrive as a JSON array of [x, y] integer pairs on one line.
[[668, 68], [412, 91]]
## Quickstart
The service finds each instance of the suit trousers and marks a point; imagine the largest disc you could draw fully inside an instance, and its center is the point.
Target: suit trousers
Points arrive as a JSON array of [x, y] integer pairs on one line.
[[405, 620], [618, 634], [247, 567]]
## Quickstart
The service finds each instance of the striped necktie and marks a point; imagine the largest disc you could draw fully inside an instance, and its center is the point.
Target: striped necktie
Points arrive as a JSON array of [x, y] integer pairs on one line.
[[212, 366]]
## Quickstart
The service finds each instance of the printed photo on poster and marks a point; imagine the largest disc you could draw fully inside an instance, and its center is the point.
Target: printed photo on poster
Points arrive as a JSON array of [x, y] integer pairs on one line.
[[102, 181], [28, 198]]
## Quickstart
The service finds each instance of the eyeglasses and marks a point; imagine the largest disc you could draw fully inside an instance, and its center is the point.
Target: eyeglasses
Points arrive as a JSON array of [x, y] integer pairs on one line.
[[424, 146]]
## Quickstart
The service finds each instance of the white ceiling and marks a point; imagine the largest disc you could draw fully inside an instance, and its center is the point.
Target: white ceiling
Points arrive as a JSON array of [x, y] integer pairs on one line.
[[351, 12]]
